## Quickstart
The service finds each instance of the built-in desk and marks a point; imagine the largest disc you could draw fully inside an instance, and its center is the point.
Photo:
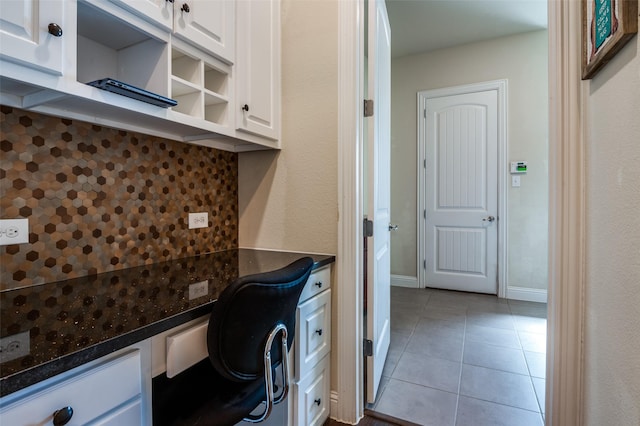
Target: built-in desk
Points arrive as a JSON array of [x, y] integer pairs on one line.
[[73, 322]]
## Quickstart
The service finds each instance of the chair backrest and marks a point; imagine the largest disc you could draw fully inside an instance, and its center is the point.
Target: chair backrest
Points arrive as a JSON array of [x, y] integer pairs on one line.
[[246, 312]]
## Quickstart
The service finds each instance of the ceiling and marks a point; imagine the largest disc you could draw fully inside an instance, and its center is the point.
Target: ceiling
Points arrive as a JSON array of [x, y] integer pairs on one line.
[[419, 26]]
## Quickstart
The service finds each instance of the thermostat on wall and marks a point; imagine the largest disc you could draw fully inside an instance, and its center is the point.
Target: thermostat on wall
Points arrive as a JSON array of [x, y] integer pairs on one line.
[[518, 167]]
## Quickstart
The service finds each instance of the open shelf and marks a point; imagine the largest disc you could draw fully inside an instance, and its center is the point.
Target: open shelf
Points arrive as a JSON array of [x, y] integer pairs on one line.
[[201, 87], [110, 47]]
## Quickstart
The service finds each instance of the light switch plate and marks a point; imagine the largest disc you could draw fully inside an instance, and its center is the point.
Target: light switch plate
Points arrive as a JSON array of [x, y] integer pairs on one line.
[[515, 181]]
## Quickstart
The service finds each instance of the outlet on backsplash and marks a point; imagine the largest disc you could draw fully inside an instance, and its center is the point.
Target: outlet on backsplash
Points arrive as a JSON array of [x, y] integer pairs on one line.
[[14, 346], [198, 220], [14, 231]]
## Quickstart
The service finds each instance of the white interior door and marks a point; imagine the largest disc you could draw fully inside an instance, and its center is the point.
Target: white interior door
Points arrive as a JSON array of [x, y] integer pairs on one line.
[[462, 191], [379, 183]]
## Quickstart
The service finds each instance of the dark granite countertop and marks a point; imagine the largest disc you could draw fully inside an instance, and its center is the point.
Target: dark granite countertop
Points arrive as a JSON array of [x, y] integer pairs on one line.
[[75, 321]]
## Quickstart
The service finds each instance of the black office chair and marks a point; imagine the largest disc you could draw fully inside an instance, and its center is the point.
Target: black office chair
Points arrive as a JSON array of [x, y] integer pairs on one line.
[[252, 325]]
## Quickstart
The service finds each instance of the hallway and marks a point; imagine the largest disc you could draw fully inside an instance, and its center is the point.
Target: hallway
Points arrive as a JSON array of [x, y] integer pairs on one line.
[[464, 359]]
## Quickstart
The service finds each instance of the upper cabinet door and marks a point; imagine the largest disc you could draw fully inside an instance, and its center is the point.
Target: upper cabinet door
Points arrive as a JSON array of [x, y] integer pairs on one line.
[[208, 24], [257, 67], [159, 11], [32, 33]]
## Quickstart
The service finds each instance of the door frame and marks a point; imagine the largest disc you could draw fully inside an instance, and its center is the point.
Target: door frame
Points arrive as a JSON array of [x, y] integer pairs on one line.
[[567, 219], [501, 87]]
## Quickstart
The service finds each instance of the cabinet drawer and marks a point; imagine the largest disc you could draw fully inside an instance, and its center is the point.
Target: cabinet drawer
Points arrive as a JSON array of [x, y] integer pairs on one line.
[[312, 395], [90, 393], [130, 414], [318, 281], [313, 334], [187, 348]]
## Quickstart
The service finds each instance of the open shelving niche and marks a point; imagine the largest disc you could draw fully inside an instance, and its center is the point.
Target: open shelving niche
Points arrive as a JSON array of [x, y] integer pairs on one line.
[[201, 86], [114, 48]]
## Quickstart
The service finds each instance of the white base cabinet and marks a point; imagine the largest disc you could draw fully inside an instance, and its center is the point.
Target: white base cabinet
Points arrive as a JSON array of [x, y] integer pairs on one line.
[[312, 378], [113, 390]]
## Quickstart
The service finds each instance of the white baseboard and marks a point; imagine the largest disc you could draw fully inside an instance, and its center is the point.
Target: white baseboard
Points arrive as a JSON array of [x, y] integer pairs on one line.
[[527, 294], [404, 281]]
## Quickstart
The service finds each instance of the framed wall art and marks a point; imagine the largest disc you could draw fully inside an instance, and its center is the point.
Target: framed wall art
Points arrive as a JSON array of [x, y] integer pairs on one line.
[[607, 25]]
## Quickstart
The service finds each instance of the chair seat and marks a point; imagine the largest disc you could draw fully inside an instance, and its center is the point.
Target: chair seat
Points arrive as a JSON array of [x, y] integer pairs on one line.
[[201, 397]]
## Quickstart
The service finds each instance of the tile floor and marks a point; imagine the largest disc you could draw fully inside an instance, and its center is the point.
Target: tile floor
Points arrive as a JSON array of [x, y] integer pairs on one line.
[[460, 359]]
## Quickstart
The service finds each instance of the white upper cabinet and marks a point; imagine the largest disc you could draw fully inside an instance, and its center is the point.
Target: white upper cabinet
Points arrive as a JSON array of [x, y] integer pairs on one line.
[[32, 32], [208, 24], [257, 66], [159, 11], [219, 59]]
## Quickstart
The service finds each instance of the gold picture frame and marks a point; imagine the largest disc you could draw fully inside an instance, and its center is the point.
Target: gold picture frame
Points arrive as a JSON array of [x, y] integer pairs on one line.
[[607, 25]]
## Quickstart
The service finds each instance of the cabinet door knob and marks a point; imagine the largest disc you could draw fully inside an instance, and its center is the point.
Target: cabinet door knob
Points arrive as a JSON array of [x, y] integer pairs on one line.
[[55, 30], [317, 401], [62, 416], [245, 108], [318, 284], [319, 331], [185, 8], [169, 1]]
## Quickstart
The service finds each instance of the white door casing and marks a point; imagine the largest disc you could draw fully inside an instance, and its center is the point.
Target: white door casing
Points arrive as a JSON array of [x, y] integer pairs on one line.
[[379, 198], [564, 392], [461, 178]]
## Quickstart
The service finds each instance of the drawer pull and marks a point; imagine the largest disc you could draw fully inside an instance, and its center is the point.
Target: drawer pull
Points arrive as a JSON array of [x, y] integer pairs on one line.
[[318, 284], [318, 401], [319, 331], [62, 416], [54, 29]]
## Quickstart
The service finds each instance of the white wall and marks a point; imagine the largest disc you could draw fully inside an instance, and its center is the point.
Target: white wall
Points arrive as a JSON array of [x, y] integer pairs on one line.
[[612, 360], [288, 199], [522, 59]]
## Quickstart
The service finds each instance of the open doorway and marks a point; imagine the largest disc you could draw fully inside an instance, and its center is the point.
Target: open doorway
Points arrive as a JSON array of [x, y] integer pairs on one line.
[[521, 59]]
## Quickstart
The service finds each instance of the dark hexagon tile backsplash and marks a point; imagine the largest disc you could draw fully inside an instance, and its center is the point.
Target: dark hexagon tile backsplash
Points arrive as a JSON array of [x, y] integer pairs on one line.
[[100, 199]]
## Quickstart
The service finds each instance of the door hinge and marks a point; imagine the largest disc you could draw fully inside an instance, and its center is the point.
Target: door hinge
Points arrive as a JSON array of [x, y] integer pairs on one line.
[[424, 264], [424, 163], [424, 213], [368, 107], [367, 228], [425, 113], [367, 348]]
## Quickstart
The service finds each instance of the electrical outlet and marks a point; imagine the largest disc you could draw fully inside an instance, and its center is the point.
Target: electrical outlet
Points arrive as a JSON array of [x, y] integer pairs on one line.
[[14, 346], [198, 289], [14, 231], [198, 220]]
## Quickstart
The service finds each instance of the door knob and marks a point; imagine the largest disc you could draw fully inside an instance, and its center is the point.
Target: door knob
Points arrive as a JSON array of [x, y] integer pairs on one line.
[[393, 227], [185, 8], [489, 219]]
